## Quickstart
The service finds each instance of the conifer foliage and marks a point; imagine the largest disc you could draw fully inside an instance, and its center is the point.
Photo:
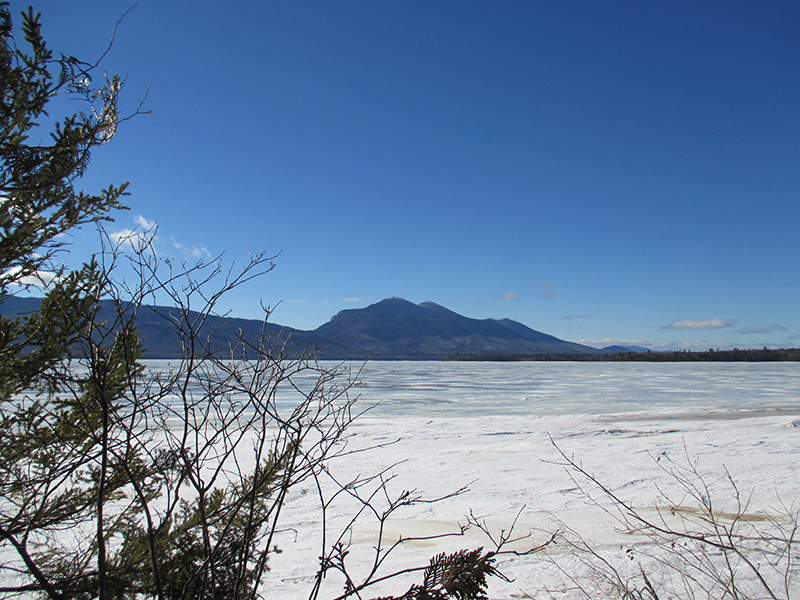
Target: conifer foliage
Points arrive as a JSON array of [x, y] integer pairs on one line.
[[460, 576], [39, 200]]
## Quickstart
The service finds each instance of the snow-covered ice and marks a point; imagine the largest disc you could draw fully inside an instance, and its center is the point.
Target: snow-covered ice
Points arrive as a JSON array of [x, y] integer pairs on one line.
[[495, 430], [488, 427]]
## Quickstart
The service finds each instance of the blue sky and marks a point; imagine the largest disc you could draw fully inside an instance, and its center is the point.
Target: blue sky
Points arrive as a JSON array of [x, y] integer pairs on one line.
[[604, 172]]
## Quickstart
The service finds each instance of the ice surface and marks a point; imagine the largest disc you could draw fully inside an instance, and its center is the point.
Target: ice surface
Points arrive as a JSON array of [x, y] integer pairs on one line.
[[488, 427], [492, 429]]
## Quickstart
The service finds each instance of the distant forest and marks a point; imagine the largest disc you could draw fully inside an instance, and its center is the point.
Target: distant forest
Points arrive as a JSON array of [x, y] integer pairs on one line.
[[711, 355]]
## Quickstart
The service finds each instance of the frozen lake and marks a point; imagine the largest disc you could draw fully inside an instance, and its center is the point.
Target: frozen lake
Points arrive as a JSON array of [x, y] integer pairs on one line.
[[563, 388], [488, 427]]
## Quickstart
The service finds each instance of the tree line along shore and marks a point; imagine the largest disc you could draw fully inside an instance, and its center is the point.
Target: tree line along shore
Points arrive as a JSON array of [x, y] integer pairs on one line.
[[711, 355]]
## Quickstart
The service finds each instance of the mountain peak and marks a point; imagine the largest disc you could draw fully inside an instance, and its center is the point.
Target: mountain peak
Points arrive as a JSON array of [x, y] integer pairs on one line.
[[395, 328], [429, 304], [394, 299]]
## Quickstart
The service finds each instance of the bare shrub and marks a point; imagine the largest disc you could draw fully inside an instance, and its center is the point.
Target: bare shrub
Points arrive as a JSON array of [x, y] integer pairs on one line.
[[699, 540]]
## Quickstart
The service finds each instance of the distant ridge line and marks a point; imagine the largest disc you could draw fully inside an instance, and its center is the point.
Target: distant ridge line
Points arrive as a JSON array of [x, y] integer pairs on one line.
[[392, 329], [735, 355]]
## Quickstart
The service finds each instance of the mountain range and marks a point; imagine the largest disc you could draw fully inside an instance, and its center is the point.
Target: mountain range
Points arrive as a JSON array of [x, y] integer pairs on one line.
[[392, 329]]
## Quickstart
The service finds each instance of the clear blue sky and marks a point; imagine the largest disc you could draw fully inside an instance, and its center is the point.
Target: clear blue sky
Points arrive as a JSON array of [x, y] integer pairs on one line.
[[601, 171]]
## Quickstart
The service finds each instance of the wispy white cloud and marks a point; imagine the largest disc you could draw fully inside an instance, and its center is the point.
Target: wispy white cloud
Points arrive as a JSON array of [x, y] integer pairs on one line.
[[39, 279], [296, 301], [354, 300], [753, 330], [481, 303], [509, 297], [574, 317], [546, 290], [193, 252], [692, 324], [144, 223], [142, 234]]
